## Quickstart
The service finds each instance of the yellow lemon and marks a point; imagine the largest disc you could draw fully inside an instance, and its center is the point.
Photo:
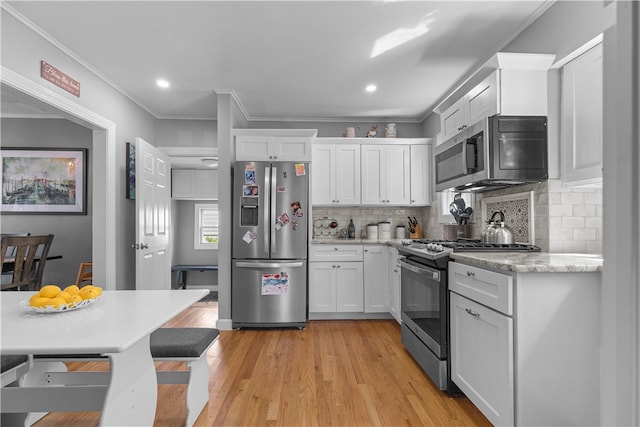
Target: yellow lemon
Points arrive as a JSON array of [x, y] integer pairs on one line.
[[39, 302], [72, 289], [34, 297], [75, 298], [98, 290], [49, 291], [65, 296], [88, 292], [57, 302]]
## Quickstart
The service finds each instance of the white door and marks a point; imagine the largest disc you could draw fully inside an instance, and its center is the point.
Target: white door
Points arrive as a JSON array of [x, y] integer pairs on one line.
[[153, 217]]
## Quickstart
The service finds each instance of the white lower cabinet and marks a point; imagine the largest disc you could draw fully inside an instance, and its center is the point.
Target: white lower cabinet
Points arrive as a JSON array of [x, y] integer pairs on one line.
[[482, 357], [336, 278], [335, 287], [394, 284], [525, 347], [376, 279]]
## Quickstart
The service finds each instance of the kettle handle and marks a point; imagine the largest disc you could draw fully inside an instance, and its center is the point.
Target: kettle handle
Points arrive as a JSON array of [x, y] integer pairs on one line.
[[496, 213]]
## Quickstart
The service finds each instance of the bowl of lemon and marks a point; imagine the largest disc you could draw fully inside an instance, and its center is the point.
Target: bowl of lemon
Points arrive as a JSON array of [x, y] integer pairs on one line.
[[53, 299]]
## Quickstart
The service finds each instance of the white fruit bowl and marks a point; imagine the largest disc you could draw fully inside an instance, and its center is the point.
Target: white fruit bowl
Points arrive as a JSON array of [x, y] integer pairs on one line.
[[62, 308]]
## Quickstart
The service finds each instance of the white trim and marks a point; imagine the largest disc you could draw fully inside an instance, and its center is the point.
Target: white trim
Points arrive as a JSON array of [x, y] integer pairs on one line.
[[233, 95], [104, 155], [579, 51]]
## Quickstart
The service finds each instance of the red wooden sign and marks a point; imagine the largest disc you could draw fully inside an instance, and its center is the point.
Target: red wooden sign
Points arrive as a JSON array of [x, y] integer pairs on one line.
[[58, 78]]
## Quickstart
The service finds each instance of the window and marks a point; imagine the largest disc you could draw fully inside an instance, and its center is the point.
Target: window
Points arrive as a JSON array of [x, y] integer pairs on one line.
[[206, 226]]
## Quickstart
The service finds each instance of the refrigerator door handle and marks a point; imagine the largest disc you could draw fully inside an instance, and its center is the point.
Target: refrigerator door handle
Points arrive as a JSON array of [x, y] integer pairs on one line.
[[273, 192], [242, 264], [267, 182]]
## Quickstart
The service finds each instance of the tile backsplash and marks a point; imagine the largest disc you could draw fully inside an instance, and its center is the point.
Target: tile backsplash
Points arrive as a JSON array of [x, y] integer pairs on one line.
[[566, 220], [362, 216]]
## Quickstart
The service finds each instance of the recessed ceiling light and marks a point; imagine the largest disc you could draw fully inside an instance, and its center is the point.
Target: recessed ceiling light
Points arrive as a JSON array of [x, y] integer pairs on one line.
[[371, 88], [162, 83]]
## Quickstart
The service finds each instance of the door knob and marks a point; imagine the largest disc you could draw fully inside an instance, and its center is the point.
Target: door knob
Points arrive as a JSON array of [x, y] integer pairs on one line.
[[144, 246]]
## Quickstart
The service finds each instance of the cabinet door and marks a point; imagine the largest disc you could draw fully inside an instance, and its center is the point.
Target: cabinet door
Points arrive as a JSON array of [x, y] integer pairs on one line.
[[376, 279], [182, 183], [394, 284], [482, 358], [373, 175], [452, 120], [482, 101], [349, 287], [420, 175], [291, 149], [206, 184], [322, 287], [582, 119], [253, 148], [346, 174], [323, 175], [397, 175]]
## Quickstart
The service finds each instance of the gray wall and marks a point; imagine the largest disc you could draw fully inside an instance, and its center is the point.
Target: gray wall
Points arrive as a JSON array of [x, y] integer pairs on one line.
[[131, 120], [72, 232], [187, 133], [182, 226], [338, 129]]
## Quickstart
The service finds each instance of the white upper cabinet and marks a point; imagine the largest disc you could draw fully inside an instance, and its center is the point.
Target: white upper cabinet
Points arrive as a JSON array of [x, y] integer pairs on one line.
[[280, 145], [194, 184], [420, 175], [385, 175], [371, 172], [582, 119], [509, 84], [335, 178]]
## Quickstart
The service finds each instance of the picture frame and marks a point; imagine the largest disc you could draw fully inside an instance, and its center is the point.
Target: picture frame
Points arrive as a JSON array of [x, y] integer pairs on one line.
[[43, 180], [130, 178]]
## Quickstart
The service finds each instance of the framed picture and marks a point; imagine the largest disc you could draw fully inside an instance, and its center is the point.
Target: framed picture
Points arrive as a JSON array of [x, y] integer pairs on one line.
[[130, 191], [44, 180]]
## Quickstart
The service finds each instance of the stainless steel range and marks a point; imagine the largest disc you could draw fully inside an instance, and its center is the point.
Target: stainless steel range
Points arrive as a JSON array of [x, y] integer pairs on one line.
[[425, 301]]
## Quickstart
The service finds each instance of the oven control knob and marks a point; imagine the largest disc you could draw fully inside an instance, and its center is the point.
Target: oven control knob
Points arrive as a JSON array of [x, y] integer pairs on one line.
[[439, 248]]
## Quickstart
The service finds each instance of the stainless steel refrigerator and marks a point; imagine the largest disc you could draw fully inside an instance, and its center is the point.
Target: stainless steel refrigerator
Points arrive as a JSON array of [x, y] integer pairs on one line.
[[270, 240]]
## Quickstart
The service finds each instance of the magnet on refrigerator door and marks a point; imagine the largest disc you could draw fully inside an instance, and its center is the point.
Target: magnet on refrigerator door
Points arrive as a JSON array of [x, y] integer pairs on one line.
[[296, 209], [282, 220], [249, 236], [251, 190], [300, 169], [275, 284]]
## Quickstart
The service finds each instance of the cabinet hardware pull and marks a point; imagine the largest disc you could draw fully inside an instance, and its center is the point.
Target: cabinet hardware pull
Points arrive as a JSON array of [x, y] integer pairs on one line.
[[472, 313], [471, 274]]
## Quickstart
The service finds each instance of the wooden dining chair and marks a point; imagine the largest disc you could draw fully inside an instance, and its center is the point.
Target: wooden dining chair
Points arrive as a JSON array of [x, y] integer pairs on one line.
[[85, 274], [25, 257]]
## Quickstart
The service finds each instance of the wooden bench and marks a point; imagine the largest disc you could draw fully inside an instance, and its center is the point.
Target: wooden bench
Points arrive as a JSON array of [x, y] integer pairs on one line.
[[181, 271], [189, 345]]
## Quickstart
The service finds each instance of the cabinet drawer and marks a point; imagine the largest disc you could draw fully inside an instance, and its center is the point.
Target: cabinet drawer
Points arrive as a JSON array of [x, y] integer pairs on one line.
[[329, 252], [492, 289]]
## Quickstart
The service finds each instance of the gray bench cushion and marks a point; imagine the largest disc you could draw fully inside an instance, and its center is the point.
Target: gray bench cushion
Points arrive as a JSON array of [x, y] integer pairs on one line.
[[181, 342], [10, 362]]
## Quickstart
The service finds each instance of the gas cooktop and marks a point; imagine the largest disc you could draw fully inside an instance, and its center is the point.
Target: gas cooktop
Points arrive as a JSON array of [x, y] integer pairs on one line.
[[432, 249]]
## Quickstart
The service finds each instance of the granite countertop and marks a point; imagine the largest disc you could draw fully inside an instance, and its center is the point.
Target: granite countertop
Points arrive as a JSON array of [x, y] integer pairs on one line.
[[533, 262], [332, 241]]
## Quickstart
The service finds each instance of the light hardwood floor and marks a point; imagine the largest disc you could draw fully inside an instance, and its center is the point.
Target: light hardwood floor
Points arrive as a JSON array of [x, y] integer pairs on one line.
[[333, 373]]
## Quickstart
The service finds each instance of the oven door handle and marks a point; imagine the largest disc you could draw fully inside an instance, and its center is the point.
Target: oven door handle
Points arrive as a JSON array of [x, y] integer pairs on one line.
[[435, 274]]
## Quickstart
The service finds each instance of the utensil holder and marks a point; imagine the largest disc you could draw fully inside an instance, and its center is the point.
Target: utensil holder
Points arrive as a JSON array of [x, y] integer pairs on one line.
[[417, 232], [456, 231]]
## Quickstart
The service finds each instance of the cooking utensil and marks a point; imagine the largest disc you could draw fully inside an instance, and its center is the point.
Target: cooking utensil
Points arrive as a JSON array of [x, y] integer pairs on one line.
[[453, 210], [459, 202]]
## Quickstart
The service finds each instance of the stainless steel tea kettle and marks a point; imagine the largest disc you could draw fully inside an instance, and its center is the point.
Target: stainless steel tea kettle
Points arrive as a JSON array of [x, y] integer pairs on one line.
[[497, 231]]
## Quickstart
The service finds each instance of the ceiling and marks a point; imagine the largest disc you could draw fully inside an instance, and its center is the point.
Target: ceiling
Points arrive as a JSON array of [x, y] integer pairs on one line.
[[283, 60]]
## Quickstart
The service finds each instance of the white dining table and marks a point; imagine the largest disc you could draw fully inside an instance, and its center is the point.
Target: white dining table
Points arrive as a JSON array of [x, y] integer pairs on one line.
[[117, 326]]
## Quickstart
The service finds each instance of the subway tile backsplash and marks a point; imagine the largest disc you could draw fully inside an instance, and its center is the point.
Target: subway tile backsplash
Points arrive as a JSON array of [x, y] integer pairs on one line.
[[362, 216]]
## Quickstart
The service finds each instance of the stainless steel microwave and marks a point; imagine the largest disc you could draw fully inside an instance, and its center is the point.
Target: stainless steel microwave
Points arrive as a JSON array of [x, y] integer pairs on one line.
[[496, 152]]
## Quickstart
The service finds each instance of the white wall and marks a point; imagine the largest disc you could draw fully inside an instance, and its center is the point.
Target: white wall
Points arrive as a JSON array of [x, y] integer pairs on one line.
[[72, 233]]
